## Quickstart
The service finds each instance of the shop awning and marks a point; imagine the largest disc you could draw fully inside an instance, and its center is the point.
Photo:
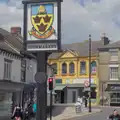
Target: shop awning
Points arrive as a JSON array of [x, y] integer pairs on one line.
[[79, 85], [59, 87]]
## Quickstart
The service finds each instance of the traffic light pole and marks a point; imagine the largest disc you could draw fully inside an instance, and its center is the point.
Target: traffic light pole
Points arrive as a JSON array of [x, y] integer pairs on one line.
[[90, 73], [42, 87], [51, 104]]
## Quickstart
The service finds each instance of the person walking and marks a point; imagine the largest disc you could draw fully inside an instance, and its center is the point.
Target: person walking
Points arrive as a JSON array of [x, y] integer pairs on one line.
[[114, 116], [17, 113], [34, 108]]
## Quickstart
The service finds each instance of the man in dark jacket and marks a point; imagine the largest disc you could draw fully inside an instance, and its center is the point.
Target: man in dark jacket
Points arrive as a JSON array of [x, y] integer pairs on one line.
[[115, 115]]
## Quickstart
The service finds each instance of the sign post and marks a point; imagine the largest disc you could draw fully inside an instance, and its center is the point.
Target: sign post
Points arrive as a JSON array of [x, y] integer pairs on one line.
[[42, 35]]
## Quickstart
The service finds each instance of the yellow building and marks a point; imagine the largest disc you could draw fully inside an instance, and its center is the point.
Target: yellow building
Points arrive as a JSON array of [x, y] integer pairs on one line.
[[71, 69]]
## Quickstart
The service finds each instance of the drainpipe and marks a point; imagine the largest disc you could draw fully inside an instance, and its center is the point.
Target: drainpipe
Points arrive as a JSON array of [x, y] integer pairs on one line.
[[102, 93], [77, 67]]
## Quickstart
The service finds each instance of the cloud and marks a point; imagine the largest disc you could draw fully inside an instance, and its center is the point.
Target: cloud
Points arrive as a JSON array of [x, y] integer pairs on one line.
[[79, 18], [93, 18], [11, 16]]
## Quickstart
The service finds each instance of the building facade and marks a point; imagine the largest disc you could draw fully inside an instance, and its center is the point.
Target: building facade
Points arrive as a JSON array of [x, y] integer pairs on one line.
[[10, 73], [71, 69], [109, 74], [17, 71]]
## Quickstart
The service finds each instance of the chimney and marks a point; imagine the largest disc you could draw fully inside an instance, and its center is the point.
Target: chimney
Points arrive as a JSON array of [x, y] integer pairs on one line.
[[16, 30], [105, 39]]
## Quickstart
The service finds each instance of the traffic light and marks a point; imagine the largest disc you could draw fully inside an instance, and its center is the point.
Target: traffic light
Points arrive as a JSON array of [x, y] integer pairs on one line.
[[50, 81]]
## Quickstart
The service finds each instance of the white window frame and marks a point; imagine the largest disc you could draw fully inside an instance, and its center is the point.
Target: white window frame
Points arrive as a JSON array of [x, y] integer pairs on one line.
[[114, 66], [83, 68], [7, 69]]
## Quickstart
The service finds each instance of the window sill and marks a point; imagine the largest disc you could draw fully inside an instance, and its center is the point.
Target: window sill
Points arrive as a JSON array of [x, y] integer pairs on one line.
[[71, 74], [64, 74], [83, 74], [114, 79]]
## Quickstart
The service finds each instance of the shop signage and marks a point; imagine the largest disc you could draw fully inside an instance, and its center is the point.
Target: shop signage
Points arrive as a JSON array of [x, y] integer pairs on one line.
[[82, 80]]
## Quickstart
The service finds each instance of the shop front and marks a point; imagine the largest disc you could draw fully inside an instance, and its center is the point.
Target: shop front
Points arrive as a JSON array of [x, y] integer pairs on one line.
[[60, 93], [72, 91], [10, 94], [114, 94]]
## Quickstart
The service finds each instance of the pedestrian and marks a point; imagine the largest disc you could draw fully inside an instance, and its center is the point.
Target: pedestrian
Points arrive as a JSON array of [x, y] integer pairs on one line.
[[86, 102], [17, 113], [30, 110], [34, 108], [115, 115], [26, 114]]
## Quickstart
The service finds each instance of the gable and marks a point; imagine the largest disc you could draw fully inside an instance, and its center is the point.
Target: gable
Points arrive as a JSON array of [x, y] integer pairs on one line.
[[67, 54]]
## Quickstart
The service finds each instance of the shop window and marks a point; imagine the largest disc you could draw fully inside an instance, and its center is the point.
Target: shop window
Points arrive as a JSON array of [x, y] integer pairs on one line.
[[82, 67], [113, 55], [113, 73], [93, 67], [71, 68], [54, 66], [7, 69], [58, 81], [64, 68]]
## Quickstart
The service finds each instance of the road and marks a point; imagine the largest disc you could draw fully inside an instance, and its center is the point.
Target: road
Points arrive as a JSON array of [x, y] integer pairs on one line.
[[98, 116]]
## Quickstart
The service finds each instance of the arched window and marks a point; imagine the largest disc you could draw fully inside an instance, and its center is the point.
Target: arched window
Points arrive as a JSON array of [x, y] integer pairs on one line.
[[93, 67], [71, 68], [64, 68], [54, 66], [82, 67]]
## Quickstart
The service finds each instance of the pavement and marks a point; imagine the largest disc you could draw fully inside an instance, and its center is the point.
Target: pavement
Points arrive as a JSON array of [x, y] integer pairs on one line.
[[66, 113], [106, 111], [4, 118]]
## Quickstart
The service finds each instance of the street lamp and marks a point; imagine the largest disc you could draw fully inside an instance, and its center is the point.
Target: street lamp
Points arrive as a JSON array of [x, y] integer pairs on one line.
[[89, 73]]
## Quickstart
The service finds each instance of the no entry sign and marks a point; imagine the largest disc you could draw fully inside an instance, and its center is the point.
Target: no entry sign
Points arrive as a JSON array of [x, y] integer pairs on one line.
[[86, 83]]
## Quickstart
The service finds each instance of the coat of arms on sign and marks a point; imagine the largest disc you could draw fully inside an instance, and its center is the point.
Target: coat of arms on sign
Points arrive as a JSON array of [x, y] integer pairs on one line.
[[42, 18]]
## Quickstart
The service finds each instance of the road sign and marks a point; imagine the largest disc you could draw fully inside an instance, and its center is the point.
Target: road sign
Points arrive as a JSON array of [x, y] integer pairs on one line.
[[40, 77], [86, 83]]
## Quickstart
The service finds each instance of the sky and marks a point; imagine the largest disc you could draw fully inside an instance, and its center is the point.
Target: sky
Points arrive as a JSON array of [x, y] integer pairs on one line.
[[79, 18]]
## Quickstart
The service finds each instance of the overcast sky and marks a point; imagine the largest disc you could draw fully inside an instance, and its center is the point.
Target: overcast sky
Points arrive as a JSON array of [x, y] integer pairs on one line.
[[79, 18]]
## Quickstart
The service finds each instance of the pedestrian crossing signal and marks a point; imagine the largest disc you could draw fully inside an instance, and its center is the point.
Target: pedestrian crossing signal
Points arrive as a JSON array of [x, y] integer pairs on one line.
[[50, 81]]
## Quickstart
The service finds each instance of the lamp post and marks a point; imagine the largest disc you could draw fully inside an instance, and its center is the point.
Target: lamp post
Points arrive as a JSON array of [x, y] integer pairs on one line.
[[90, 73]]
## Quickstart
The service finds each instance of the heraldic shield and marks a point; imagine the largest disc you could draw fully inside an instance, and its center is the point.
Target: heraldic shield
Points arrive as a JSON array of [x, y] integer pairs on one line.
[[42, 17]]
